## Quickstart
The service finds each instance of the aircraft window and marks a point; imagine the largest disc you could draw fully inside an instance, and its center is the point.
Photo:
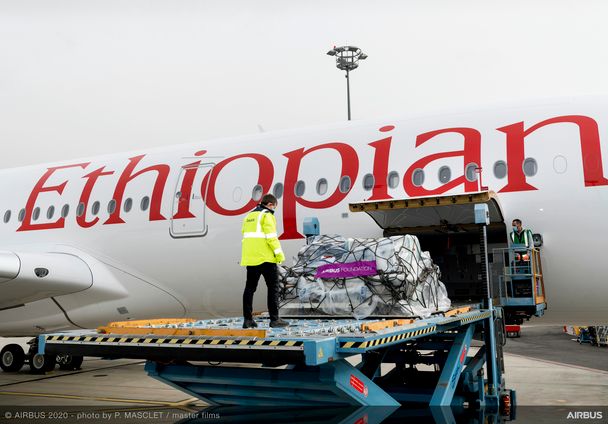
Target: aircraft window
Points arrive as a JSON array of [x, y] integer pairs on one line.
[[445, 174], [65, 210], [128, 204], [418, 177], [7, 216], [50, 212], [257, 193], [36, 213], [237, 194], [322, 186], [80, 209], [345, 184], [560, 164], [500, 169], [278, 190], [111, 206], [530, 167], [95, 208], [21, 215], [470, 173], [300, 188], [145, 203], [368, 182], [393, 179]]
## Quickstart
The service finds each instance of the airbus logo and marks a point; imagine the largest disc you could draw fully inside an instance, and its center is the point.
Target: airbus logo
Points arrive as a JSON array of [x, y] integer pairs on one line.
[[585, 415]]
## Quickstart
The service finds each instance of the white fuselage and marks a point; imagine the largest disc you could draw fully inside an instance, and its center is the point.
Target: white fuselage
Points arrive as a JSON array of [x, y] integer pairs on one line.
[[174, 261]]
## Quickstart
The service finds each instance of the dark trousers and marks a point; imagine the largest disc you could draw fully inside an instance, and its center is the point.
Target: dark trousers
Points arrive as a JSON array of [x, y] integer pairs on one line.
[[269, 271]]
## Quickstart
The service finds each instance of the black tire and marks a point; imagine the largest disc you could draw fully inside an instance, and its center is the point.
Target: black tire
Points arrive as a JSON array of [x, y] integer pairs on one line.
[[69, 362], [41, 364], [12, 358]]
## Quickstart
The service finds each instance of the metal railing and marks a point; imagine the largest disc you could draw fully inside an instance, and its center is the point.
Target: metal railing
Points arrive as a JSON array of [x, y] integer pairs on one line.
[[519, 272]]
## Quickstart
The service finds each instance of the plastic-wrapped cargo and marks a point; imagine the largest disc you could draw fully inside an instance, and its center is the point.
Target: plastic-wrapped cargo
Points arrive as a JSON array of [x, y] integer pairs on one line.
[[334, 275]]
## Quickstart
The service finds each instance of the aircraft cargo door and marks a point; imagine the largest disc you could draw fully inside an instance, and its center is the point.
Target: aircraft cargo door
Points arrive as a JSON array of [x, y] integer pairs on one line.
[[188, 214], [445, 227]]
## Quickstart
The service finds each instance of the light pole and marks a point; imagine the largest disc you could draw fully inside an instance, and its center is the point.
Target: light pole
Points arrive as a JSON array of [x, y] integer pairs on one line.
[[347, 59]]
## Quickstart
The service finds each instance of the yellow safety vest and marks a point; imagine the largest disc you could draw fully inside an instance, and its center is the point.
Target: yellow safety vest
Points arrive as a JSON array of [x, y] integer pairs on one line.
[[525, 238], [260, 239]]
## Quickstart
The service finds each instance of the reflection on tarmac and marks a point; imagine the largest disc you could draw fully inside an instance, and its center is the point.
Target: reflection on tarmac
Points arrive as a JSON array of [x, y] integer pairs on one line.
[[323, 415], [390, 415]]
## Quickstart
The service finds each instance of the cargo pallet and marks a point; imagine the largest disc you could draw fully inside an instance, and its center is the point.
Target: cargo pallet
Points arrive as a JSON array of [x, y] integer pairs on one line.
[[310, 363]]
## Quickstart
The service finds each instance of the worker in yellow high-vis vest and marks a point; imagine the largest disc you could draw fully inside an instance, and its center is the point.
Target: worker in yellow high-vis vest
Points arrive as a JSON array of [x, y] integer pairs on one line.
[[261, 252], [521, 236]]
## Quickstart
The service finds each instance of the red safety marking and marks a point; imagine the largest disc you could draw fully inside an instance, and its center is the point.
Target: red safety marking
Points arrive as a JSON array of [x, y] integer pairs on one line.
[[463, 354], [362, 420], [358, 385]]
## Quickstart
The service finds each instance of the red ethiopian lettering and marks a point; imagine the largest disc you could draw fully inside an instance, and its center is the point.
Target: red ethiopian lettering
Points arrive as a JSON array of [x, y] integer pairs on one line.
[[265, 176], [183, 204], [157, 193], [86, 195], [27, 225], [471, 154], [382, 151], [350, 168], [590, 149]]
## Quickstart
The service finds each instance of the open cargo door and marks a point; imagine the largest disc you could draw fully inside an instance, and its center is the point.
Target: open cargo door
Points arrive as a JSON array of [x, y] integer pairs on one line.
[[445, 226], [431, 214]]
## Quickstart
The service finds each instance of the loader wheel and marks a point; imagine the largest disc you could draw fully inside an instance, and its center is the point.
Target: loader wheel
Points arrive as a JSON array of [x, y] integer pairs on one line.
[[12, 358], [40, 364]]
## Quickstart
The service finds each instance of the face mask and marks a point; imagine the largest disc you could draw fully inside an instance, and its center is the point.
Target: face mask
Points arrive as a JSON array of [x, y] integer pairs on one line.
[[514, 229]]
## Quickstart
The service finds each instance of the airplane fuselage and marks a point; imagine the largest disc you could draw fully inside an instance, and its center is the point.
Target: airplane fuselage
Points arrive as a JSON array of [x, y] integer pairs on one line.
[[160, 230]]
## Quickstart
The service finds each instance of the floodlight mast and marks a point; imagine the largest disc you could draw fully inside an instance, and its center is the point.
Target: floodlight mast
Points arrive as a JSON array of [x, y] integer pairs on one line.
[[347, 59]]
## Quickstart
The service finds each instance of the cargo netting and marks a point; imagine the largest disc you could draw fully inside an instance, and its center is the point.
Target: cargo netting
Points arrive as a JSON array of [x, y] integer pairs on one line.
[[399, 279]]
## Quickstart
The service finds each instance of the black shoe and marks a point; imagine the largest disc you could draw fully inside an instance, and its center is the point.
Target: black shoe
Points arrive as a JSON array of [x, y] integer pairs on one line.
[[279, 323], [249, 323]]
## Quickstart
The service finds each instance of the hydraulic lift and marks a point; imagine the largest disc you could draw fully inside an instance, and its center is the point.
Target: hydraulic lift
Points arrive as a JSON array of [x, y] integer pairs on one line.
[[307, 363], [521, 287], [451, 359]]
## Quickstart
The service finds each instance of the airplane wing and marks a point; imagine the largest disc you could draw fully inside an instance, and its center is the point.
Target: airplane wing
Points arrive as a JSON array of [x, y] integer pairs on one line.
[[29, 276]]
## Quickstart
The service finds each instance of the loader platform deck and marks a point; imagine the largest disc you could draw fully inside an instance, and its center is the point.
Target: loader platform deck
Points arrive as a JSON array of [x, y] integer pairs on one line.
[[307, 341], [303, 364]]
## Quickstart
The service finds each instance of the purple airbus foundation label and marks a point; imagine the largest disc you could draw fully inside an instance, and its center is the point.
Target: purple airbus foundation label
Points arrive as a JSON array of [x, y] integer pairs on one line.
[[347, 270]]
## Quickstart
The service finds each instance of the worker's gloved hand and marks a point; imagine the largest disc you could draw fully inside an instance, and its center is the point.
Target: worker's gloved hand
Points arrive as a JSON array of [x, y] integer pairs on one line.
[[280, 258]]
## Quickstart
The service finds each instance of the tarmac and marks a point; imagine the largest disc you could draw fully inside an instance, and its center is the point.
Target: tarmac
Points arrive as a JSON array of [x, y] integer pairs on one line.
[[547, 368]]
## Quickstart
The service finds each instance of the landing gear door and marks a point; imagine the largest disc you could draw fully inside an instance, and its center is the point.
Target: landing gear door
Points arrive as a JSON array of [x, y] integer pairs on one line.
[[188, 213]]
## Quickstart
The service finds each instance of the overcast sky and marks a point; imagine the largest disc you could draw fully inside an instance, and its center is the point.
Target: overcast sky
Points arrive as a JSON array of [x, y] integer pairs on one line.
[[85, 77]]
